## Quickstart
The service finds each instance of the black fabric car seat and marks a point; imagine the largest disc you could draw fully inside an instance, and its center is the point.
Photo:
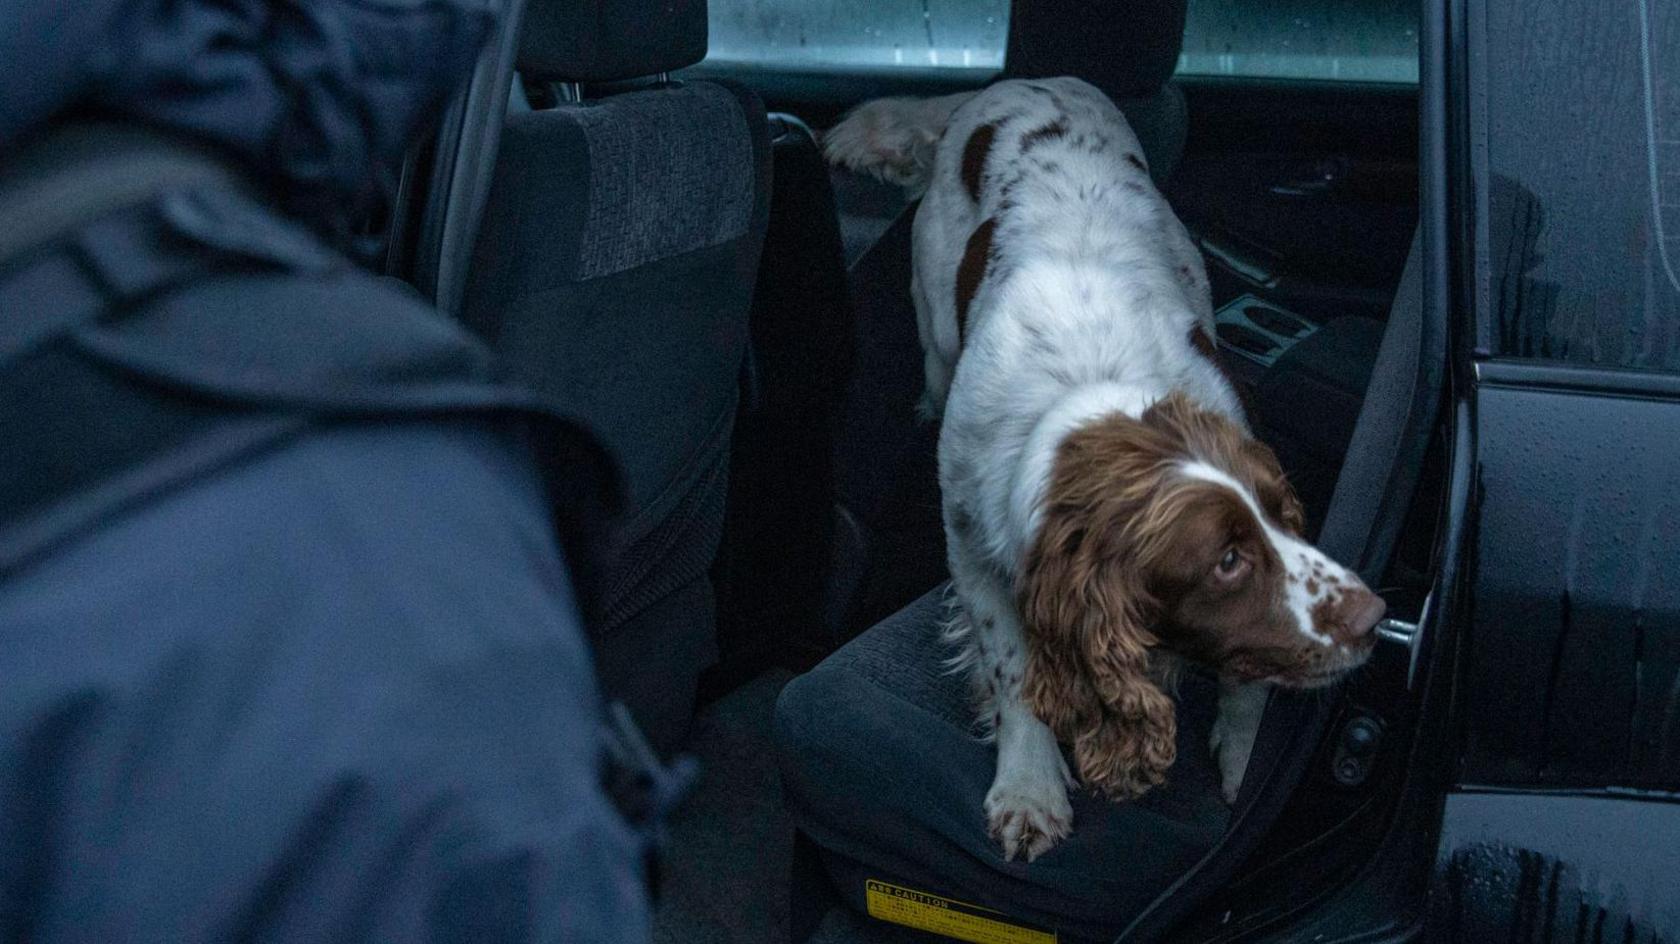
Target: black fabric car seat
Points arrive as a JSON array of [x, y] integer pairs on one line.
[[613, 272], [884, 778]]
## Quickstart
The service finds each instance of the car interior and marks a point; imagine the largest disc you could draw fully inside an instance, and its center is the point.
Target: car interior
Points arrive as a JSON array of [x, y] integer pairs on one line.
[[651, 238]]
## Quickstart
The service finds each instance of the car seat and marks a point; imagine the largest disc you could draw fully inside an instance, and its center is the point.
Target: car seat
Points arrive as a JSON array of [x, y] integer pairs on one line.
[[613, 272]]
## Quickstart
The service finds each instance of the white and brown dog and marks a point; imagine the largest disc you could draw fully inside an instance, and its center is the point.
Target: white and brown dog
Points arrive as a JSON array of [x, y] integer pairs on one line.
[[1106, 508]]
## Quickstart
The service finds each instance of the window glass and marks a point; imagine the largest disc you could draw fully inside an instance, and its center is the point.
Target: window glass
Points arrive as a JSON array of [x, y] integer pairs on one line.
[[1338, 40], [860, 35], [1347, 40], [1575, 132]]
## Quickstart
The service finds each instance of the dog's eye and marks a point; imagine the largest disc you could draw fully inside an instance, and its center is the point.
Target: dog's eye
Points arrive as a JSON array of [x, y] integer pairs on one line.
[[1230, 564]]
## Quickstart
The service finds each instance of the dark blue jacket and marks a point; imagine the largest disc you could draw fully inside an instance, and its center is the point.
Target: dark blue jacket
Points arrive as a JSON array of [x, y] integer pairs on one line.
[[288, 650]]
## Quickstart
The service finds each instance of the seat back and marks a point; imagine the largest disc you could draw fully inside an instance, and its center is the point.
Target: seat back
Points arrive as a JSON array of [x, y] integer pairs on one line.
[[613, 271], [1128, 50]]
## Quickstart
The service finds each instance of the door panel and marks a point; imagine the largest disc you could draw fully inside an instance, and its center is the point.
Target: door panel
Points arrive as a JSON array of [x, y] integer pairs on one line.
[[1553, 869], [1562, 817], [1573, 662]]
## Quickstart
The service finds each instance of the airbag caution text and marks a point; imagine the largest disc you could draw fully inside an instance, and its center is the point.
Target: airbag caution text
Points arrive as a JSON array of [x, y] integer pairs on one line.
[[952, 919]]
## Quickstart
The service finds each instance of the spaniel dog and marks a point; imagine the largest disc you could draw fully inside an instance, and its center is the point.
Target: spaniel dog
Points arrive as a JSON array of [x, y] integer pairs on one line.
[[1107, 510]]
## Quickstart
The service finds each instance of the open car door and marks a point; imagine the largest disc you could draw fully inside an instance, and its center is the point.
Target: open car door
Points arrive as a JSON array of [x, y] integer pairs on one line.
[[1562, 239]]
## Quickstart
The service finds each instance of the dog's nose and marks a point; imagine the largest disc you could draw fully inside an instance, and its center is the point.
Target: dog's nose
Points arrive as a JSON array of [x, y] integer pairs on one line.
[[1364, 610]]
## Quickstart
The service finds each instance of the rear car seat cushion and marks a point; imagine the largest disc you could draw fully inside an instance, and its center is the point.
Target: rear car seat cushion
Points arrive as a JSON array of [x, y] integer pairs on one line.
[[884, 772]]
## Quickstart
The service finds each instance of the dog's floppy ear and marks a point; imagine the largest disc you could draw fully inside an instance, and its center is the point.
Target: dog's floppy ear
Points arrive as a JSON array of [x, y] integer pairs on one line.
[[1087, 614]]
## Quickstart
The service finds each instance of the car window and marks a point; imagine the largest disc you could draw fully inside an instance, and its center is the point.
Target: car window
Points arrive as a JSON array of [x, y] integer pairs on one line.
[[1576, 148], [1331, 40], [1323, 40], [854, 36]]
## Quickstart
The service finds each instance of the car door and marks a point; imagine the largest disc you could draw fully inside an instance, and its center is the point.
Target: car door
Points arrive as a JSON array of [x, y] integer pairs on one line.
[[1560, 820]]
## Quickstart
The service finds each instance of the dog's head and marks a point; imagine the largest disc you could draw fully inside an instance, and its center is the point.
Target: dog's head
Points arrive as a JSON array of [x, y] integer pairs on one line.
[[1173, 531]]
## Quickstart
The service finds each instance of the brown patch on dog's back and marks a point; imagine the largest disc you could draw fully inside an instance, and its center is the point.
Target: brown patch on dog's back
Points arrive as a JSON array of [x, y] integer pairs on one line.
[[975, 152], [1037, 136], [971, 271]]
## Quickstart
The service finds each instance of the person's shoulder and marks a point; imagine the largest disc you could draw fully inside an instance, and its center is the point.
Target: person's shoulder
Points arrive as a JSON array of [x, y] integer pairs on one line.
[[275, 291], [357, 309]]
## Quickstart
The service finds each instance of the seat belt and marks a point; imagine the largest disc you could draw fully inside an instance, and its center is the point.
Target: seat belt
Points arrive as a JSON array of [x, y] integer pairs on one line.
[[1380, 474]]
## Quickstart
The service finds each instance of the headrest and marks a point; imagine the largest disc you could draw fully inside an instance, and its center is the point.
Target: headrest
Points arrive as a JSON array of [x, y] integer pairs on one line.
[[1127, 48], [608, 40]]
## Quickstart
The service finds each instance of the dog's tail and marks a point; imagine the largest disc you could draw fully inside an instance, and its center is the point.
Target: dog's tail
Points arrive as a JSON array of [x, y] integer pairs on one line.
[[893, 139]]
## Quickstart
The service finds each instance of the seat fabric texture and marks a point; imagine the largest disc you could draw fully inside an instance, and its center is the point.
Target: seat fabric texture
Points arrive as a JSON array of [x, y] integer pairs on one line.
[[883, 770]]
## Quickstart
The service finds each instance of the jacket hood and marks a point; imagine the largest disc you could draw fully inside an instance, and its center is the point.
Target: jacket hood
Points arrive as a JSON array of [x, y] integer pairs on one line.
[[319, 98]]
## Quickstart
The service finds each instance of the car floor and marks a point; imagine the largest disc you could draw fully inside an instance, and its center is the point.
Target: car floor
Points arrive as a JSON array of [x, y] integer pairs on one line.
[[724, 874], [725, 871]]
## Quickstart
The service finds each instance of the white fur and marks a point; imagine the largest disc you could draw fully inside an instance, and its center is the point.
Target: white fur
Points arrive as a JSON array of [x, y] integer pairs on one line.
[[892, 139]]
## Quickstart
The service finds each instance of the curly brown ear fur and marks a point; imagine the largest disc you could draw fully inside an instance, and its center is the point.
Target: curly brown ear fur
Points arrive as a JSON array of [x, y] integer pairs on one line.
[[1087, 611]]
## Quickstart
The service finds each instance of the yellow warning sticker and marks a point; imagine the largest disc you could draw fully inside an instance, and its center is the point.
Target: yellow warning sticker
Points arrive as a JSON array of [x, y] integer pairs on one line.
[[954, 919]]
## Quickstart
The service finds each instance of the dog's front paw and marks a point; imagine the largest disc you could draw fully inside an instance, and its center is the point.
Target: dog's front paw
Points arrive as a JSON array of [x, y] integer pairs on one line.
[[1028, 815]]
